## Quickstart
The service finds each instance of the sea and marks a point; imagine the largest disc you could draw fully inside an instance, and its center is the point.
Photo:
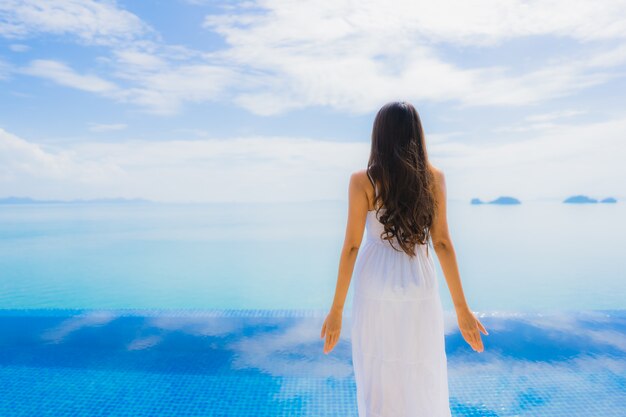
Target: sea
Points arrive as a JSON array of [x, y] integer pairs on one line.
[[534, 256]]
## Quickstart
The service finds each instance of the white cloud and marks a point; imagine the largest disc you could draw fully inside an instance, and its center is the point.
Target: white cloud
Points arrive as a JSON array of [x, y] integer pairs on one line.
[[29, 168], [5, 69], [19, 47], [21, 94], [103, 127], [239, 169], [487, 22], [92, 22], [285, 55], [559, 114], [560, 160], [353, 57], [157, 77], [540, 121], [62, 74], [563, 160], [139, 60], [149, 81], [163, 88]]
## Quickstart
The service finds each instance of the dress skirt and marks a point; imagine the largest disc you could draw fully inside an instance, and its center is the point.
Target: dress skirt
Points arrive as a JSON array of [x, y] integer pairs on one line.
[[397, 332]]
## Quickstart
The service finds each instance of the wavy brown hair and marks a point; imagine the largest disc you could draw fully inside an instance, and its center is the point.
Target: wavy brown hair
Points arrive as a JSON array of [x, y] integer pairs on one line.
[[399, 166]]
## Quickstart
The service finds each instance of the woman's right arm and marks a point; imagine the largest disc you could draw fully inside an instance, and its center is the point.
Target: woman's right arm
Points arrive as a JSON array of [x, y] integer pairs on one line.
[[469, 325]]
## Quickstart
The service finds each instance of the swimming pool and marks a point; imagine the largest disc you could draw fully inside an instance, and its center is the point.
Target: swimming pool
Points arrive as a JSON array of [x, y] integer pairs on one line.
[[216, 310], [122, 362]]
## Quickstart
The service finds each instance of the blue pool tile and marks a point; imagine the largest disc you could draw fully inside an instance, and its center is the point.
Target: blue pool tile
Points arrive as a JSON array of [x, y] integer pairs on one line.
[[270, 363]]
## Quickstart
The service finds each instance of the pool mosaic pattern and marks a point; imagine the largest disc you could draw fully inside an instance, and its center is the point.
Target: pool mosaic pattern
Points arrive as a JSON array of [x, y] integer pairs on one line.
[[270, 363]]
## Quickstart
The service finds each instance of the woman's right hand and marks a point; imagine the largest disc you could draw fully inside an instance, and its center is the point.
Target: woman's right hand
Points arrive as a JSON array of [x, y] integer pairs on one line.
[[470, 328]]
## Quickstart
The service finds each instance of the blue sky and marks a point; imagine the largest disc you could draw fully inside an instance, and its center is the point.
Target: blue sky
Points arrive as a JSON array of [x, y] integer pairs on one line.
[[274, 100]]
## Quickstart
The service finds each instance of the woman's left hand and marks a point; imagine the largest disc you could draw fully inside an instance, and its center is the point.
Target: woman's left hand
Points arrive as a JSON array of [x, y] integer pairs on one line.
[[331, 329]]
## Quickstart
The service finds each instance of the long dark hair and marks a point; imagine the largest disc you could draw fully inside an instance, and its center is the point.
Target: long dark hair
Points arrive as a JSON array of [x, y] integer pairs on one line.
[[399, 166]]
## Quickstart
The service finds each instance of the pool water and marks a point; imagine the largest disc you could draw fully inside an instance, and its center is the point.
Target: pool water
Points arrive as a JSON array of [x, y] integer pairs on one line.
[[216, 310], [535, 256], [221, 362]]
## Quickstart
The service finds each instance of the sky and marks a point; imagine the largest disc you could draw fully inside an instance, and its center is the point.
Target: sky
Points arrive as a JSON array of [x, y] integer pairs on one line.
[[274, 100]]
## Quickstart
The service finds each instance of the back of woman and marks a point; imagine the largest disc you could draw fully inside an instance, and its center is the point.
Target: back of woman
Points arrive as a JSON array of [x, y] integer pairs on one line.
[[397, 328]]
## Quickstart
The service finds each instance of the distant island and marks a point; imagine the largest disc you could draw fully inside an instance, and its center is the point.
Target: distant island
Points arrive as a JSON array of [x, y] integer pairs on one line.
[[580, 199], [583, 199], [505, 200], [28, 200]]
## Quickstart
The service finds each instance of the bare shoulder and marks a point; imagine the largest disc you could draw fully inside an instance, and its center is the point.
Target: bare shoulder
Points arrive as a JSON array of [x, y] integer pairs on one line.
[[439, 177], [360, 178]]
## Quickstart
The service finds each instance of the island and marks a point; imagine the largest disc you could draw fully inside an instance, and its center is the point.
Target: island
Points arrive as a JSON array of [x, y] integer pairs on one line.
[[28, 200], [608, 200], [505, 200], [580, 199]]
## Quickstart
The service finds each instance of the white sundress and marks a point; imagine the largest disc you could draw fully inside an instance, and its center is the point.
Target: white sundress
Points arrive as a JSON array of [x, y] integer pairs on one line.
[[397, 331]]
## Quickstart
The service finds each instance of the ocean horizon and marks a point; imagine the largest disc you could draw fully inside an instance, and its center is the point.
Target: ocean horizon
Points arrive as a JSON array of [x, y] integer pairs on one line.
[[535, 256]]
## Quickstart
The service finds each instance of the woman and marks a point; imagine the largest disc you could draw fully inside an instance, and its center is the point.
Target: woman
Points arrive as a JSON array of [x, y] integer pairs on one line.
[[397, 330]]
